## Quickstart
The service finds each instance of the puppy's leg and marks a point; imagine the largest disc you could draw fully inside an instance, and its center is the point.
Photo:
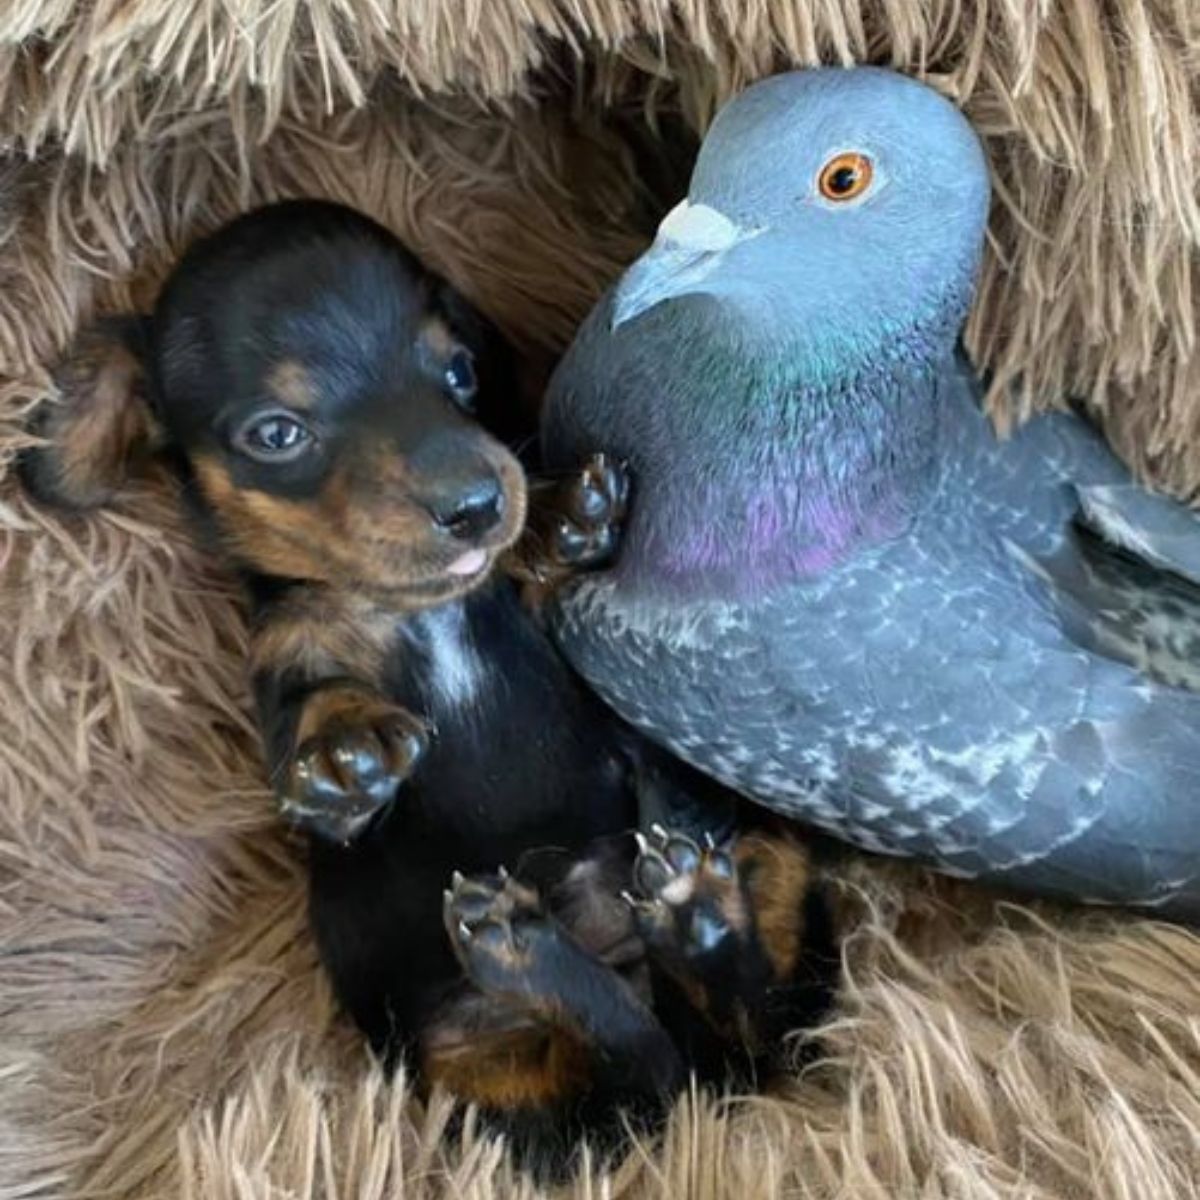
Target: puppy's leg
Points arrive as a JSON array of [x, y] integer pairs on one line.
[[337, 749], [742, 930], [532, 1081], [489, 1053], [513, 951]]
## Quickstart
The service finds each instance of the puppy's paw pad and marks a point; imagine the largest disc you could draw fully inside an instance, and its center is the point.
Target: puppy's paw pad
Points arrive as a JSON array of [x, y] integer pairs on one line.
[[592, 507], [599, 495], [689, 898], [497, 929], [351, 767], [578, 547]]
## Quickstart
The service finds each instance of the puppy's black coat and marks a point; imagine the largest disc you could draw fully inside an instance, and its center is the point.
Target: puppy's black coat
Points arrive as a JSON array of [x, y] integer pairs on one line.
[[320, 395]]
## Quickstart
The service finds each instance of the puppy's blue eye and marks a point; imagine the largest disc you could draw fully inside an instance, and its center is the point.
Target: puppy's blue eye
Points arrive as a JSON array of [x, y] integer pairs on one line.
[[460, 377], [274, 437]]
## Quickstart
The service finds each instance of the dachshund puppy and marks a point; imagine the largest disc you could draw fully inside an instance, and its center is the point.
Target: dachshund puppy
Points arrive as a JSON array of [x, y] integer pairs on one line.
[[321, 398]]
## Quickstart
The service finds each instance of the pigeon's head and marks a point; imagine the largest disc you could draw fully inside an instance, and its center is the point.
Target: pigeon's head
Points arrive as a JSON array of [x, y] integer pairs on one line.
[[833, 205]]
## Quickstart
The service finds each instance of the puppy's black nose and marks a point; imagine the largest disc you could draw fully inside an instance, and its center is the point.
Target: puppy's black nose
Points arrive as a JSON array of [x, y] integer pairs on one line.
[[470, 512]]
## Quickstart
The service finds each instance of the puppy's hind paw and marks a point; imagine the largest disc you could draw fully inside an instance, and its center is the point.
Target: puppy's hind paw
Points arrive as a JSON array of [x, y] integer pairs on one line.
[[504, 940], [689, 901]]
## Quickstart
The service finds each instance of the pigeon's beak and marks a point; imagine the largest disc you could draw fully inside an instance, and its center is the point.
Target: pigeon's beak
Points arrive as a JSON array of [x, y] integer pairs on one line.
[[691, 241]]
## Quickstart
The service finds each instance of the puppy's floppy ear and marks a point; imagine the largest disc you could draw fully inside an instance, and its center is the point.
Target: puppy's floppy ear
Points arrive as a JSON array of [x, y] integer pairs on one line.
[[100, 422], [498, 406]]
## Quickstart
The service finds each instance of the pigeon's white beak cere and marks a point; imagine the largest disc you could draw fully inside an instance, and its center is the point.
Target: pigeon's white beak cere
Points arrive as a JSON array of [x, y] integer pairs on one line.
[[690, 243]]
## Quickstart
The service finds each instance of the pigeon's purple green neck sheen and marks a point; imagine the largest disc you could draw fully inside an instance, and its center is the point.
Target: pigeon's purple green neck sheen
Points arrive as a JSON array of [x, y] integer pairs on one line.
[[791, 320]]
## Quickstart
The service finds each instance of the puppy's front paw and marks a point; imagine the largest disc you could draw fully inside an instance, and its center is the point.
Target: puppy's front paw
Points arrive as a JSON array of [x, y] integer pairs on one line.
[[591, 508], [351, 757]]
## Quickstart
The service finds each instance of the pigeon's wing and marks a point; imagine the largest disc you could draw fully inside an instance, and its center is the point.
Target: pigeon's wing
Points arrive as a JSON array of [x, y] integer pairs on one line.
[[1152, 527], [1147, 525], [1114, 604], [1059, 466], [1121, 564]]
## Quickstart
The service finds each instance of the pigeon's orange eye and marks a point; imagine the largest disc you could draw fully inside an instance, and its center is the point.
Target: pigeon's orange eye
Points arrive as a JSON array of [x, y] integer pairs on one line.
[[845, 176]]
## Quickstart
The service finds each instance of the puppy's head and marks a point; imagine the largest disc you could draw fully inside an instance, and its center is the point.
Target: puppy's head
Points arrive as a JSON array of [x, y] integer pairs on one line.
[[316, 388]]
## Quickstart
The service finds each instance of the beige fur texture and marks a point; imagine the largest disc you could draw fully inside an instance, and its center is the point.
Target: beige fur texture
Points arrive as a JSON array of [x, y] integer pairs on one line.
[[163, 1029]]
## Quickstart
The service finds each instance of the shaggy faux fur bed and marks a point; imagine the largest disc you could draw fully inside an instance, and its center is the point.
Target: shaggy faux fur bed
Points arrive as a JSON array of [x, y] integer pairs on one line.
[[163, 1029]]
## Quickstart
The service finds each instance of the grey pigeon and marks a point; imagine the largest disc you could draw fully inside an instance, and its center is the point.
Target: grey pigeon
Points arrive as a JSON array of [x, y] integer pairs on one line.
[[838, 591]]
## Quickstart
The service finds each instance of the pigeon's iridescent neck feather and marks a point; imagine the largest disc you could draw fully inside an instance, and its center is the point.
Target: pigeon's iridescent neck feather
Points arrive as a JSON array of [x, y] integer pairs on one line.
[[781, 461]]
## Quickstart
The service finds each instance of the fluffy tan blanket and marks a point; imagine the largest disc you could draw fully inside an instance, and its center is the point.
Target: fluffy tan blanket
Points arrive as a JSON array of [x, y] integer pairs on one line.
[[163, 1030]]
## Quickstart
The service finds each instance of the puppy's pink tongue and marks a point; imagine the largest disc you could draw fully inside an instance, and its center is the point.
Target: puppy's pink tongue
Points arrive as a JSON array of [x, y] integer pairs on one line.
[[468, 564]]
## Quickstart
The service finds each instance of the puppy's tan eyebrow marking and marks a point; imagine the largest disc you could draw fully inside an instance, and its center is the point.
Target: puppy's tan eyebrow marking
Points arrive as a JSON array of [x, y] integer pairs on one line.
[[290, 382], [436, 337]]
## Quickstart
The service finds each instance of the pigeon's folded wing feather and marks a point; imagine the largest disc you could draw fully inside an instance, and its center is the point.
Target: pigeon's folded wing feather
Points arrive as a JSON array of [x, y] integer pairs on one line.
[[1104, 498], [1155, 528], [1119, 564]]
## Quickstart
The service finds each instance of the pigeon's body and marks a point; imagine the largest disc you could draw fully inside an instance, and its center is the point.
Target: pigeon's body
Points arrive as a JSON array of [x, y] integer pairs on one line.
[[839, 592]]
